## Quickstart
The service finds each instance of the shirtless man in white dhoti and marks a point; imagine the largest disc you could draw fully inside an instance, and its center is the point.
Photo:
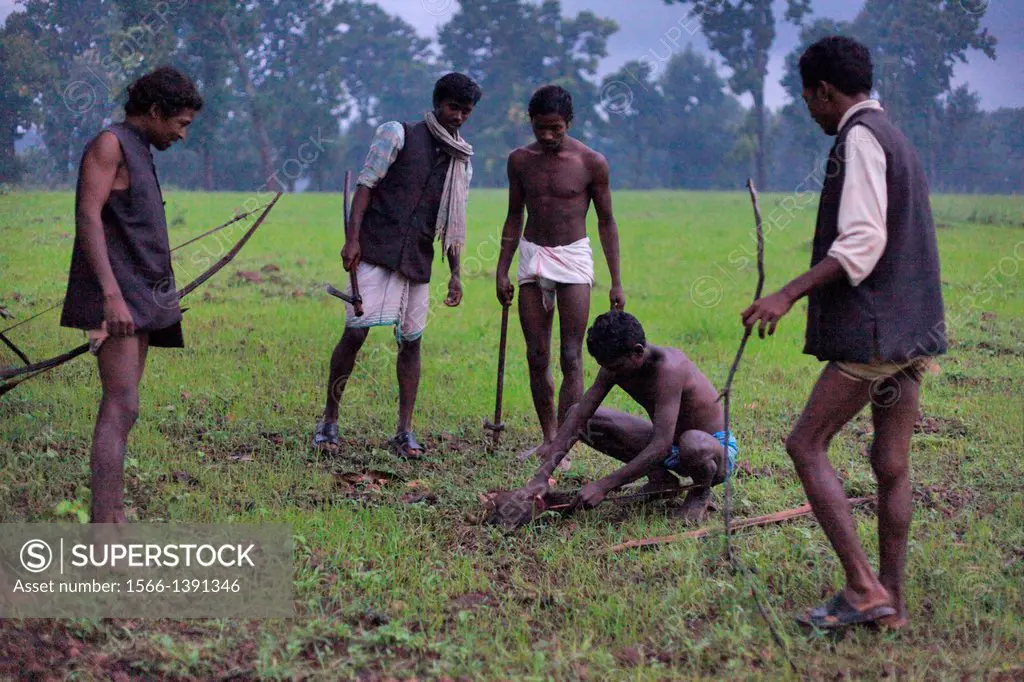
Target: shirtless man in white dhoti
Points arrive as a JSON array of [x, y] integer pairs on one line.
[[555, 179]]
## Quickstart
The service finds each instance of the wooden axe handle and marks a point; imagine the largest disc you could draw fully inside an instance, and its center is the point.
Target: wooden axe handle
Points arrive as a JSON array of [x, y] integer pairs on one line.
[[357, 300], [497, 427]]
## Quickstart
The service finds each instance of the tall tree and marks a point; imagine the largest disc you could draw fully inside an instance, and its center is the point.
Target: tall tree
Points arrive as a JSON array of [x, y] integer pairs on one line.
[[742, 32], [916, 45], [797, 142], [24, 68], [82, 74], [1006, 151], [674, 129], [959, 122], [346, 61], [88, 52], [634, 104], [245, 76]]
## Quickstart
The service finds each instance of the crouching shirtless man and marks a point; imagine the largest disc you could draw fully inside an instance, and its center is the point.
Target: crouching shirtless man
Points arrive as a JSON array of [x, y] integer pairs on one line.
[[685, 435]]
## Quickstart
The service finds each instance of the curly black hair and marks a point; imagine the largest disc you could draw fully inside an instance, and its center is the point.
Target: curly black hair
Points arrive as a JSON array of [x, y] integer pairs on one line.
[[166, 87], [838, 60], [457, 87], [613, 335], [551, 99]]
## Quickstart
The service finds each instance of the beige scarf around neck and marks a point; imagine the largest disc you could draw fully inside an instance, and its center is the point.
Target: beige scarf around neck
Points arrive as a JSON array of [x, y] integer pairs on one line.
[[451, 217]]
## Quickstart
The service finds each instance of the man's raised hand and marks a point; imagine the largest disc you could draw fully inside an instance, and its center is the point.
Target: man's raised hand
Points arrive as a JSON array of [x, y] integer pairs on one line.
[[768, 311]]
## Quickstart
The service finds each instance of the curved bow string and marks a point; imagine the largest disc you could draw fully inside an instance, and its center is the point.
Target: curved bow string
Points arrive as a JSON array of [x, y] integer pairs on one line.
[[12, 376]]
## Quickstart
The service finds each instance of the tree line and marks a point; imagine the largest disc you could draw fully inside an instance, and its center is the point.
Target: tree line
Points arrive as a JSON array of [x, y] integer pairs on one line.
[[294, 89]]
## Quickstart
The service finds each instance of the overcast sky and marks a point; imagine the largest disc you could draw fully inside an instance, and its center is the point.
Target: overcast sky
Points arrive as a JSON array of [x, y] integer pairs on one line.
[[643, 24]]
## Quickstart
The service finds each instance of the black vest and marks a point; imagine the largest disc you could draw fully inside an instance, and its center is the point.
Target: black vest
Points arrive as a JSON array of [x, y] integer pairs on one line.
[[135, 229], [896, 313], [398, 229]]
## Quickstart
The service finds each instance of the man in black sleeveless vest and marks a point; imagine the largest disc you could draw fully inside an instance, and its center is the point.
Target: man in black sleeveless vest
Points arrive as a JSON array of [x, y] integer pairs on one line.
[[412, 191], [875, 313], [121, 285]]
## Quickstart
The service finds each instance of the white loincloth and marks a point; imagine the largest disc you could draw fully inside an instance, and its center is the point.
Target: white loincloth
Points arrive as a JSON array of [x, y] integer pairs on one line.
[[549, 266], [389, 299]]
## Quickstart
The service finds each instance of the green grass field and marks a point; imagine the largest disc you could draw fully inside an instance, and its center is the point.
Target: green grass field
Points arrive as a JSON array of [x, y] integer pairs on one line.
[[391, 589]]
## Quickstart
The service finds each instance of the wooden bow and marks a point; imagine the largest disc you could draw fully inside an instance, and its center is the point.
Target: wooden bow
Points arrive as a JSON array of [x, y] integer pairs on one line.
[[12, 376]]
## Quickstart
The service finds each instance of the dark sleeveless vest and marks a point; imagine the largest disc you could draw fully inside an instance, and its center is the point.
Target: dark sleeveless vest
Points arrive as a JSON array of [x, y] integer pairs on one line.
[[896, 313], [135, 228], [398, 228]]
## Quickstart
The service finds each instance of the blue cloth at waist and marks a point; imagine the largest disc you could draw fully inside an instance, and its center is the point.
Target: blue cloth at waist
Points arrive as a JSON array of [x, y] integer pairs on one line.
[[672, 461]]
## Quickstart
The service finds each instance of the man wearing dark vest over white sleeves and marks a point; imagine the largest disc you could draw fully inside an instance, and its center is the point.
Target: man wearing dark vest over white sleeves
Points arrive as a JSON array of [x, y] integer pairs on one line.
[[121, 285], [412, 190], [875, 314]]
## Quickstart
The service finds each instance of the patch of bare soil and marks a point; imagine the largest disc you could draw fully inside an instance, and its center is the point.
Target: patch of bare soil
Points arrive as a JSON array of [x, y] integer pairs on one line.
[[366, 481], [939, 426], [46, 650], [745, 470], [184, 478], [863, 429], [635, 656], [472, 601], [365, 486], [942, 498], [421, 496], [449, 442], [999, 350]]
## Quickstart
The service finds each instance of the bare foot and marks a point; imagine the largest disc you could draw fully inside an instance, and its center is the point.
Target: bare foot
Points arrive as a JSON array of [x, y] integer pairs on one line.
[[878, 596], [695, 506], [565, 463]]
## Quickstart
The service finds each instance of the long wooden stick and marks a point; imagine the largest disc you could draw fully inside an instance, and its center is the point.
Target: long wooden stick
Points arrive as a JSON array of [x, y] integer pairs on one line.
[[357, 300], [727, 391], [737, 567], [633, 496], [496, 427], [17, 351], [767, 519]]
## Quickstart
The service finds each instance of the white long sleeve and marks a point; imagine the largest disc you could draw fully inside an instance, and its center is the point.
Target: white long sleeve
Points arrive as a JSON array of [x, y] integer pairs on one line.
[[862, 209]]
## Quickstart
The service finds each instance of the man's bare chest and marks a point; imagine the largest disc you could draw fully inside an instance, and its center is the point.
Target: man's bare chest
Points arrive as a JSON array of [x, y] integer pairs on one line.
[[643, 392], [565, 179]]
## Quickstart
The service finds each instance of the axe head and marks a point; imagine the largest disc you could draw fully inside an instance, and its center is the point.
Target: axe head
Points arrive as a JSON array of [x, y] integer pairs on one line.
[[356, 301]]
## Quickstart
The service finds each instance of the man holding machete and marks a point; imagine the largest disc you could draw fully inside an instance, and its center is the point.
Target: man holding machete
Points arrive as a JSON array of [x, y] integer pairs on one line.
[[413, 189]]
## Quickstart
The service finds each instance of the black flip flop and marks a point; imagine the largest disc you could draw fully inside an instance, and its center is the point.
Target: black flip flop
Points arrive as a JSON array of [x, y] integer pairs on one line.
[[326, 436], [840, 613], [404, 445]]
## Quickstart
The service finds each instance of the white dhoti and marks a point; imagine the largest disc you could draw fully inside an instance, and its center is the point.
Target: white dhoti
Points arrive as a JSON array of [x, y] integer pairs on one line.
[[549, 266], [389, 299]]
